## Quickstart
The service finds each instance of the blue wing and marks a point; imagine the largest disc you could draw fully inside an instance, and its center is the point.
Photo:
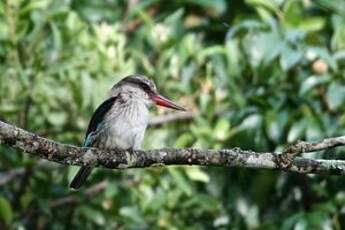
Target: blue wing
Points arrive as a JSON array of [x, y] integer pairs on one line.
[[97, 118]]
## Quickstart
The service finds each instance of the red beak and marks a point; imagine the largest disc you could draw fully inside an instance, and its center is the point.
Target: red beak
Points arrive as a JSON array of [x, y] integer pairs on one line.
[[162, 101]]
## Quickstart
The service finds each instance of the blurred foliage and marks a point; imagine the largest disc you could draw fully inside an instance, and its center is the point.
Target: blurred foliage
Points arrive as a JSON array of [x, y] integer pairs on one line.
[[261, 73]]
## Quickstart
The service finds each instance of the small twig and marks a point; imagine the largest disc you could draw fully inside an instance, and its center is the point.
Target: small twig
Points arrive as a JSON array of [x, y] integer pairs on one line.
[[304, 147], [73, 200], [8, 176], [159, 120]]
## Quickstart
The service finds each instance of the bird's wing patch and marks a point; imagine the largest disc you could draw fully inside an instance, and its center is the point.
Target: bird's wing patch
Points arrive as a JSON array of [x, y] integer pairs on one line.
[[96, 120]]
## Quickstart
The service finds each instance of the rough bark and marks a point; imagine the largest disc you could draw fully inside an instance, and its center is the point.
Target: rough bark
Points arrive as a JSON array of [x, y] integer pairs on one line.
[[120, 159]]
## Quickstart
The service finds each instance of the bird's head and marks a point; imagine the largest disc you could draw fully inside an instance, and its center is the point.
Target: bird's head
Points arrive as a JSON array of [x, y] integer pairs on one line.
[[139, 87]]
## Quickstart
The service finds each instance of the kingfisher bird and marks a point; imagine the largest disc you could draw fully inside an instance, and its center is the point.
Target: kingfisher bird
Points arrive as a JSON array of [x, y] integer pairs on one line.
[[121, 120]]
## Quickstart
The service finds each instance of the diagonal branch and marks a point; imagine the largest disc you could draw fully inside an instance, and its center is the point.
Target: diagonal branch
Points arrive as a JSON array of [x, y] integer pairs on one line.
[[73, 199], [121, 159], [166, 118], [305, 147], [8, 176]]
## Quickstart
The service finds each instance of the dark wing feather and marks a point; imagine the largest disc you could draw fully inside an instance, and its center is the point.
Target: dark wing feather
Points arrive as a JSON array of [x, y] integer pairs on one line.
[[98, 117]]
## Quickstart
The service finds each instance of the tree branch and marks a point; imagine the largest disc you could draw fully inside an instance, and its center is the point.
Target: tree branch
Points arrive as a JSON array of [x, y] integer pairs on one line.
[[8, 176], [88, 193], [162, 119], [304, 147], [121, 159]]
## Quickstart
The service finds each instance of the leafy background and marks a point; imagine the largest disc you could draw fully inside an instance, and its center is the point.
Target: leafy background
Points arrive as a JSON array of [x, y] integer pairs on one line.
[[258, 73]]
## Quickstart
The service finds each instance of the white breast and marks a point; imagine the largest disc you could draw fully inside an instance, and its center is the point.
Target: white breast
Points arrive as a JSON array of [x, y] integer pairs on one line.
[[124, 126]]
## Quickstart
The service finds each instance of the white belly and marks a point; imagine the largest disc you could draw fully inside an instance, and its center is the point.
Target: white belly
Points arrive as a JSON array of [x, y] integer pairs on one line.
[[124, 130], [125, 135]]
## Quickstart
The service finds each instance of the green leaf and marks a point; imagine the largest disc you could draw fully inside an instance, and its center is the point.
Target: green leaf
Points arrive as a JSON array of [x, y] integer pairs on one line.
[[273, 125], [34, 5], [301, 225], [195, 173], [221, 131], [175, 17], [184, 140], [57, 118], [297, 131], [132, 213], [294, 17], [290, 222], [335, 95], [311, 82], [289, 57], [111, 190], [337, 6], [270, 5], [204, 101], [263, 47], [93, 214], [292, 12], [202, 201], [312, 24], [56, 36], [233, 54], [338, 38], [213, 50], [314, 129], [181, 181], [26, 199], [6, 213], [217, 7]]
